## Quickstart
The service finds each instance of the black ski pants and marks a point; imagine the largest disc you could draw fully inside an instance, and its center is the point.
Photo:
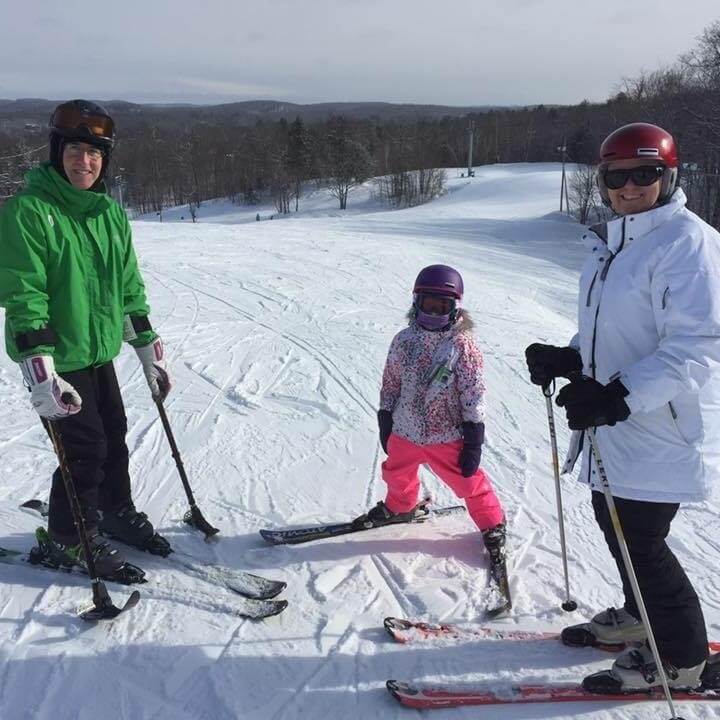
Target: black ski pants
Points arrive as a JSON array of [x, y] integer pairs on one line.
[[94, 443], [671, 601]]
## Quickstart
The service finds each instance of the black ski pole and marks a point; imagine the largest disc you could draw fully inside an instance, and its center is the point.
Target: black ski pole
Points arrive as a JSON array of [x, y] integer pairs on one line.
[[102, 607], [193, 516], [569, 605], [630, 570]]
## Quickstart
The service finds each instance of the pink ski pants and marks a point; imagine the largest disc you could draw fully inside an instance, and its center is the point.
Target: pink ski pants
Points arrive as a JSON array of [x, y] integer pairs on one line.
[[400, 472]]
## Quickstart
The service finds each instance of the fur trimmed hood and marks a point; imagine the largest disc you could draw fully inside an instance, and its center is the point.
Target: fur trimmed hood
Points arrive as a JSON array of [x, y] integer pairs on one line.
[[464, 321]]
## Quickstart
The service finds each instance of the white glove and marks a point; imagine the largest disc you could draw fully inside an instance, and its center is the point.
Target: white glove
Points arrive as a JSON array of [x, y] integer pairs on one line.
[[155, 367], [51, 396]]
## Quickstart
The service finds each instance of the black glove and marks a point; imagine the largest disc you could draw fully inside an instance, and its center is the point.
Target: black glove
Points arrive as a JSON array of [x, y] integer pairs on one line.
[[473, 436], [588, 403], [385, 423], [547, 362]]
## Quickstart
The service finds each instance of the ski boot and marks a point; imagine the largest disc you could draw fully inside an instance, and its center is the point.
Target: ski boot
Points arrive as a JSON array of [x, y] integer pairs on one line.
[[380, 515], [109, 562], [610, 629], [131, 527], [495, 543], [636, 670]]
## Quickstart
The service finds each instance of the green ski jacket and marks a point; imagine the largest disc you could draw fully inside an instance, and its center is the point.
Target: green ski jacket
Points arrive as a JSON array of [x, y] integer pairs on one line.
[[67, 264]]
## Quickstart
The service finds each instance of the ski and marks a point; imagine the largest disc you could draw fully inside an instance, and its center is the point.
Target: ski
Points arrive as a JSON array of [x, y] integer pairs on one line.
[[244, 583], [412, 631], [428, 697], [500, 586], [252, 609], [89, 612], [295, 536]]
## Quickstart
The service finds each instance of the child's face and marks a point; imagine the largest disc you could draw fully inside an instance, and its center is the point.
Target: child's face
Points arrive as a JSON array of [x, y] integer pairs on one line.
[[436, 304]]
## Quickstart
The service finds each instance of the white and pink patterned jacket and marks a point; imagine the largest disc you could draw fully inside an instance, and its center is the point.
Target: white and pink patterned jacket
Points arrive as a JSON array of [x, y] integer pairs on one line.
[[427, 411]]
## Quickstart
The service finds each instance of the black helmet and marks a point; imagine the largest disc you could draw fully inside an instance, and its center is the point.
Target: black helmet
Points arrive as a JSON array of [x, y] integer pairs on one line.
[[85, 121]]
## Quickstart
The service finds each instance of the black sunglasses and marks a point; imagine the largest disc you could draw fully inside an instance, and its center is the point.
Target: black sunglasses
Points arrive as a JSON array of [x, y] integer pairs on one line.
[[642, 176]]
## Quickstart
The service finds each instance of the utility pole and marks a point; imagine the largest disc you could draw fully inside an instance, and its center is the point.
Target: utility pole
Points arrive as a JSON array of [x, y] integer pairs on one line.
[[470, 133], [119, 179], [563, 182]]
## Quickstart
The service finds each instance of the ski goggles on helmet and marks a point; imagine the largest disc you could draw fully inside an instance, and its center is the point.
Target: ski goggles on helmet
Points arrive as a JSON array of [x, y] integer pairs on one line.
[[432, 304], [642, 176], [71, 121]]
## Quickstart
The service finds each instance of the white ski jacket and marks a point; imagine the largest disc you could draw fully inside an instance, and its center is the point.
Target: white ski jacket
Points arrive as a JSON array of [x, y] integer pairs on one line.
[[649, 313]]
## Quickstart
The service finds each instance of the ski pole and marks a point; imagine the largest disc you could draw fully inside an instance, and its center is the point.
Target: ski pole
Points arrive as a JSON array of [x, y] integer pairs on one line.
[[102, 608], [569, 605], [617, 527], [193, 516]]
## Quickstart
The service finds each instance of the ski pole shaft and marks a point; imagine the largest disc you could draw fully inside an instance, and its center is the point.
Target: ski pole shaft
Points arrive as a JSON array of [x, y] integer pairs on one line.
[[100, 593], [569, 605], [617, 527], [194, 516], [175, 452]]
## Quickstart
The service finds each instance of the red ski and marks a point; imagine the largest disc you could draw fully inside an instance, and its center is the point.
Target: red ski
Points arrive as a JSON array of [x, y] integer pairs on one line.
[[426, 697], [411, 631]]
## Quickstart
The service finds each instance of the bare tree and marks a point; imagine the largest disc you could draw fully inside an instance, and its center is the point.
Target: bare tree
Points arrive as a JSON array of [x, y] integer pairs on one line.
[[347, 160], [583, 191]]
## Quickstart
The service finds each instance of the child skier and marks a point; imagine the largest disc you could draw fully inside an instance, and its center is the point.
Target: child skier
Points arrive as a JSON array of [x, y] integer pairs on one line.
[[432, 411]]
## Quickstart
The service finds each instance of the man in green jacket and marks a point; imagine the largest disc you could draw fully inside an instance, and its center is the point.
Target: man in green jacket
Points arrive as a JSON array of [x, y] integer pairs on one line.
[[72, 292]]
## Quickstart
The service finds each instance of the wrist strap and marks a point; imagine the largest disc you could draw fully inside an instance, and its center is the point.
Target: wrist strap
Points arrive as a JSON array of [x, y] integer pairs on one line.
[[34, 338]]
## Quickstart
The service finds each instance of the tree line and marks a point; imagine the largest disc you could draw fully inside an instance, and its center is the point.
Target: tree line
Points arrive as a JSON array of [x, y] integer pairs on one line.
[[161, 166]]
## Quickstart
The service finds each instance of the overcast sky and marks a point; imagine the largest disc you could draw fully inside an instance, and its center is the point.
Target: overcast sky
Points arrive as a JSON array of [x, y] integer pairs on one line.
[[452, 52]]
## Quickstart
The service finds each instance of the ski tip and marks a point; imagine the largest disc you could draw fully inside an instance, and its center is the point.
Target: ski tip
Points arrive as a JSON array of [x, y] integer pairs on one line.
[[399, 690], [269, 589], [279, 606], [271, 536], [36, 505], [132, 601], [499, 611], [393, 625]]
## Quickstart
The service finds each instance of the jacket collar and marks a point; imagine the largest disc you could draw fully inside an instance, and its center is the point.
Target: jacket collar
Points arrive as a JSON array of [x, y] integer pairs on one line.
[[617, 233], [45, 180]]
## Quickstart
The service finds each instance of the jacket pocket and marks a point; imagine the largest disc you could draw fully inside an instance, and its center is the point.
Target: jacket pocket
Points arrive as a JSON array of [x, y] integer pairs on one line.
[[676, 424]]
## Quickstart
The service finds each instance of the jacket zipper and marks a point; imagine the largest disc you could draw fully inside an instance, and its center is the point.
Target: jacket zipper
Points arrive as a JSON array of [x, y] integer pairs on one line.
[[603, 276]]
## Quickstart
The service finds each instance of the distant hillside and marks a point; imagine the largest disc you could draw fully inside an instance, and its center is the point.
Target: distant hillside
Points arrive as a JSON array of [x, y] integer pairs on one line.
[[17, 114]]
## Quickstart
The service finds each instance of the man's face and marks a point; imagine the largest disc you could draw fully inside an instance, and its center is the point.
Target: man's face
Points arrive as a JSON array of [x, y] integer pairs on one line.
[[82, 164], [631, 198]]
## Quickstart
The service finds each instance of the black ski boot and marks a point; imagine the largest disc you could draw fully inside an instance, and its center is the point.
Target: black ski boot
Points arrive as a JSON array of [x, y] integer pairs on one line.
[[133, 528], [495, 542], [380, 515], [109, 561]]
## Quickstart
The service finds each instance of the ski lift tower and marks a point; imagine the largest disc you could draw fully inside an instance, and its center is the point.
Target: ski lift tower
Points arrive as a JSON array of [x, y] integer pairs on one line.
[[469, 134]]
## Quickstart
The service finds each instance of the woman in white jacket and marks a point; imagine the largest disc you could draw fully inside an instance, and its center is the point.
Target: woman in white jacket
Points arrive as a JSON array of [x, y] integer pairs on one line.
[[648, 348]]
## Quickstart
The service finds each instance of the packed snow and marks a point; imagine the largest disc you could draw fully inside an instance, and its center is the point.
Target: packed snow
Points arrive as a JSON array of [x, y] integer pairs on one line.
[[277, 332]]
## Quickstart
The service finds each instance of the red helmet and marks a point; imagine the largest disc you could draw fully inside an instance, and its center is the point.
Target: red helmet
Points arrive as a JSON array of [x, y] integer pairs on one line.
[[641, 140]]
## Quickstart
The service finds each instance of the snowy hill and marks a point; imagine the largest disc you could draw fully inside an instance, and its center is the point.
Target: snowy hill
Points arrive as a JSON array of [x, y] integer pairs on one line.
[[277, 333]]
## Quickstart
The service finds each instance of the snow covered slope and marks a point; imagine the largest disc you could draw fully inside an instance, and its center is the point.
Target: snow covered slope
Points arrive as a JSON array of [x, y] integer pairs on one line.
[[277, 333]]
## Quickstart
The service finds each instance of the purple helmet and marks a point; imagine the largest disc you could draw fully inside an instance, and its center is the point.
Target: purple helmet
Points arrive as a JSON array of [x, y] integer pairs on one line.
[[439, 280], [434, 281]]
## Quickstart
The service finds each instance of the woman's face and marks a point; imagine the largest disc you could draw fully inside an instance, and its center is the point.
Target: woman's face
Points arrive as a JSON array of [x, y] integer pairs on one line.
[[82, 164], [632, 199]]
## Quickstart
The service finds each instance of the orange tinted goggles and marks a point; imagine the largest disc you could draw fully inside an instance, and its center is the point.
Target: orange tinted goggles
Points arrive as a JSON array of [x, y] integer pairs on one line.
[[70, 118]]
